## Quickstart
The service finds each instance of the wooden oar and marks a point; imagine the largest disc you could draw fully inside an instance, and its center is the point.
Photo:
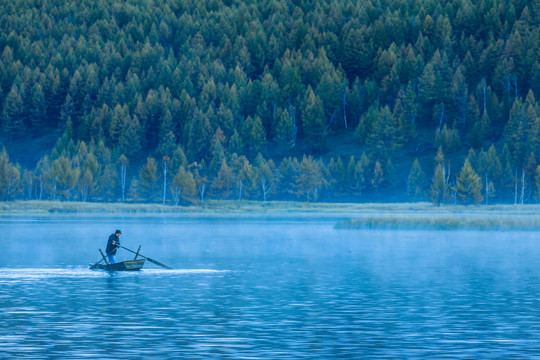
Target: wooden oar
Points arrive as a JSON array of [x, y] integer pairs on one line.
[[102, 258], [149, 259]]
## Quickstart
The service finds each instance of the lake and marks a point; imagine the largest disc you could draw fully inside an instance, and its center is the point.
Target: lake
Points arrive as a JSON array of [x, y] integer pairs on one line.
[[265, 287]]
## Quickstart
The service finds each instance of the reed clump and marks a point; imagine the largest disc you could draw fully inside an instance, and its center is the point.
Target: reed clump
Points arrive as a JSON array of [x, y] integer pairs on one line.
[[448, 222]]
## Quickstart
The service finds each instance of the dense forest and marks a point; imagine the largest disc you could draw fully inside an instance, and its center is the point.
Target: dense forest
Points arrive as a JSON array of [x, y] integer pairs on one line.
[[328, 100]]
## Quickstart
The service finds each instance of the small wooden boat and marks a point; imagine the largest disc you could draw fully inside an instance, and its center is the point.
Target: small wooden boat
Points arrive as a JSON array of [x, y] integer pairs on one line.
[[130, 265]]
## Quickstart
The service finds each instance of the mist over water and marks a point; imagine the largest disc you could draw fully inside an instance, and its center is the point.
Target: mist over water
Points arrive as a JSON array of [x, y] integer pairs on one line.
[[270, 287]]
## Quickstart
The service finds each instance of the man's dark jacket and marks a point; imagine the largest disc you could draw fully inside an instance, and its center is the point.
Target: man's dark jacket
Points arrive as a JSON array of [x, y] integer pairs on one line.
[[111, 249]]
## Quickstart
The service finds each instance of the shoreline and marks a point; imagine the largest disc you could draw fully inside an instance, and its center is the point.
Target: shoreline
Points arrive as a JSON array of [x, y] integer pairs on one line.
[[347, 216], [233, 206]]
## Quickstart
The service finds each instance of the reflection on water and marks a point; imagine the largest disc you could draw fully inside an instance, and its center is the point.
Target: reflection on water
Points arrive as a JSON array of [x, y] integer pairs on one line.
[[268, 288]]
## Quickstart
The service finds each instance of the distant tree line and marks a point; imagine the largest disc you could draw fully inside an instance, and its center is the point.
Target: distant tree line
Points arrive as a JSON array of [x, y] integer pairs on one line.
[[81, 172], [215, 93]]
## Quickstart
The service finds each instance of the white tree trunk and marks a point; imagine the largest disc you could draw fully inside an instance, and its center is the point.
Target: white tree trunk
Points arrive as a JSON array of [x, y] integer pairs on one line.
[[345, 106], [40, 186], [487, 189], [523, 186], [515, 188], [164, 181], [240, 188], [202, 189], [123, 170]]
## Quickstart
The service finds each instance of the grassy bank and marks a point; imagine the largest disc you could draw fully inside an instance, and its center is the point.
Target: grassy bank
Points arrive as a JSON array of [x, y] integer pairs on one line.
[[375, 214], [486, 221], [43, 207]]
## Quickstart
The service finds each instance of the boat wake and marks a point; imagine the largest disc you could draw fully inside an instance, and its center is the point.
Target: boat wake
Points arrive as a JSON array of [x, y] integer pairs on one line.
[[182, 271], [8, 275]]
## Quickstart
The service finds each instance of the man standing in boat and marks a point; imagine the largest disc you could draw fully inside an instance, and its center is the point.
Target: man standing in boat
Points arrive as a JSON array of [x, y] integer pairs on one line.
[[112, 245]]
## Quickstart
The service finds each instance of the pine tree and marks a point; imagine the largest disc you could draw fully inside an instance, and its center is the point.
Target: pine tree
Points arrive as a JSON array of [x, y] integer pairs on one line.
[[253, 136], [350, 180], [148, 179], [314, 122], [10, 178], [183, 187], [310, 179], [236, 146], [405, 113], [285, 131], [178, 158], [223, 182], [378, 176], [65, 176], [469, 185], [167, 139], [415, 182], [13, 114], [337, 172], [383, 133], [38, 112], [244, 175], [439, 191], [218, 157], [199, 137], [361, 175], [357, 53]]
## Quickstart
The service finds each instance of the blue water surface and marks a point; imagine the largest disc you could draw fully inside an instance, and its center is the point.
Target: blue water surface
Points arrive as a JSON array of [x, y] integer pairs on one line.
[[265, 287]]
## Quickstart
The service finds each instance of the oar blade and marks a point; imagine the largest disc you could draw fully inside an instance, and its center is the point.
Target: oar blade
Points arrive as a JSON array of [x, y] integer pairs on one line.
[[147, 258], [159, 264]]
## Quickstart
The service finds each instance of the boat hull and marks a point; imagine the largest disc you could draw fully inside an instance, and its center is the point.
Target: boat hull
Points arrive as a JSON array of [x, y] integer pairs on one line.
[[132, 265]]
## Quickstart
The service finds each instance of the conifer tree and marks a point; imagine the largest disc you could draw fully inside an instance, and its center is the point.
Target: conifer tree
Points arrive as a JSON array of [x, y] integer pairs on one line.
[[338, 174], [289, 172], [178, 158], [167, 139], [310, 179], [199, 137], [314, 123], [38, 112], [253, 136], [361, 175], [65, 176], [13, 114], [236, 146], [183, 187], [223, 182], [383, 133], [350, 178], [405, 113], [439, 190], [148, 180], [244, 175], [415, 182], [469, 185], [10, 178], [378, 176], [218, 157], [284, 131]]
